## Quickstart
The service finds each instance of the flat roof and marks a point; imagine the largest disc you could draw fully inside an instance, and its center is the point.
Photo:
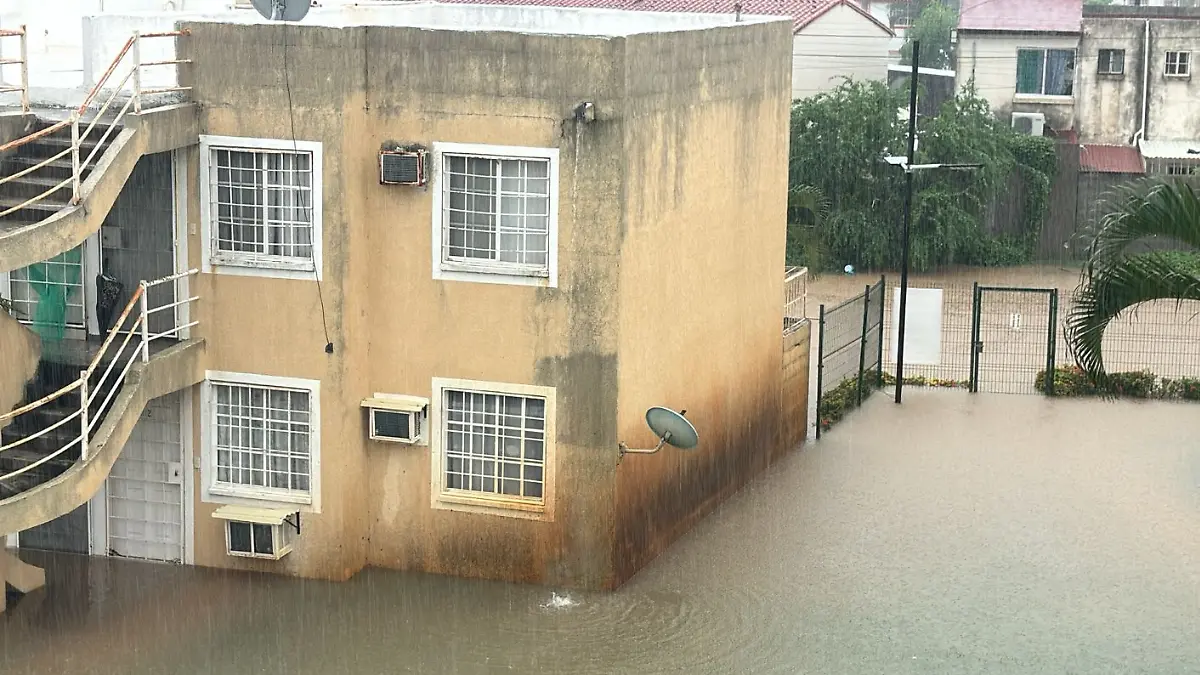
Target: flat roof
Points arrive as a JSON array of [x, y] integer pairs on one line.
[[533, 19], [1170, 149]]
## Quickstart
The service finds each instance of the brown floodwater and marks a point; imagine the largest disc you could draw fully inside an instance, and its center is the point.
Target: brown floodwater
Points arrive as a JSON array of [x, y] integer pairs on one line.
[[953, 534]]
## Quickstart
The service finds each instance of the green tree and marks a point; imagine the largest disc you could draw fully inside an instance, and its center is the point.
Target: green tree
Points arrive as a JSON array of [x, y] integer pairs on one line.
[[838, 142], [807, 210], [1118, 276], [932, 29]]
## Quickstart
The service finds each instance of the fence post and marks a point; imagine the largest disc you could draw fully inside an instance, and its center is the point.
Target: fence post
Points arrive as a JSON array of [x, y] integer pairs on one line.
[[83, 415], [882, 314], [1052, 342], [145, 324], [973, 374], [137, 72], [75, 170], [24, 69], [862, 341], [820, 365]]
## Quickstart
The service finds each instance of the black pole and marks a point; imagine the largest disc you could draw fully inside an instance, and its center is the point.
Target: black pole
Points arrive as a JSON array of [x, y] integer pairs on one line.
[[908, 198]]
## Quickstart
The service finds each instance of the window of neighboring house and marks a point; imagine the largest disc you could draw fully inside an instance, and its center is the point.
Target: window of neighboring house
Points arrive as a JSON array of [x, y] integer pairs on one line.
[[260, 203], [1181, 170], [1046, 72], [1111, 62], [1178, 64], [495, 214], [49, 294], [261, 438], [493, 446]]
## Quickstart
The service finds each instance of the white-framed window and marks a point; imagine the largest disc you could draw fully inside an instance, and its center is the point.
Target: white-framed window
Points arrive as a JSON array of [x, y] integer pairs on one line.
[[1045, 72], [493, 447], [495, 214], [1111, 62], [260, 206], [1179, 64], [261, 440]]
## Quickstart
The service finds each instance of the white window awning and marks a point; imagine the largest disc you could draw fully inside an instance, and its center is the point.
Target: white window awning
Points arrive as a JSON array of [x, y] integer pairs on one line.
[[397, 402], [1170, 149], [253, 514]]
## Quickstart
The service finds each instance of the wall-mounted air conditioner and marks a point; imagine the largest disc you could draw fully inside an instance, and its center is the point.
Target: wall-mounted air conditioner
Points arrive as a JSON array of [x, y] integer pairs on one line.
[[258, 532], [1029, 123], [395, 418], [402, 167]]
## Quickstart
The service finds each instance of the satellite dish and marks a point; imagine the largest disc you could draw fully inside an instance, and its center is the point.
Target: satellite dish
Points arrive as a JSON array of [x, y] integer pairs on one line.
[[671, 427], [282, 10]]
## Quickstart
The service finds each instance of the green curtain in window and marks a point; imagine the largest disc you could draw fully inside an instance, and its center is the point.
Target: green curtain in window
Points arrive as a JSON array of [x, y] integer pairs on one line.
[[52, 281], [1029, 70]]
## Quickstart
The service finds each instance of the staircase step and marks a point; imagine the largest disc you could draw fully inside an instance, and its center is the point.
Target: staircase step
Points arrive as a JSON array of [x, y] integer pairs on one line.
[[60, 167], [45, 204]]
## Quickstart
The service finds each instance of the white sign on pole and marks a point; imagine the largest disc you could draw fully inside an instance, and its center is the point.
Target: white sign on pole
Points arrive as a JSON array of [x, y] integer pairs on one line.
[[922, 327]]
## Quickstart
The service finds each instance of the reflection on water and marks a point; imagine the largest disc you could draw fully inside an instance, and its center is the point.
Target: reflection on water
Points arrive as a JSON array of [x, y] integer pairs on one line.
[[954, 534]]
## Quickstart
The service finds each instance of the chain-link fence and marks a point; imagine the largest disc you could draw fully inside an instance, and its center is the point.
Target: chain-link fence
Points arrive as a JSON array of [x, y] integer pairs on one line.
[[850, 351]]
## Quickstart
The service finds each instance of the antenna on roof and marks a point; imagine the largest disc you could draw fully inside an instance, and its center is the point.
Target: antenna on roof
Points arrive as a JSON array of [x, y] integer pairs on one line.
[[282, 10], [737, 11]]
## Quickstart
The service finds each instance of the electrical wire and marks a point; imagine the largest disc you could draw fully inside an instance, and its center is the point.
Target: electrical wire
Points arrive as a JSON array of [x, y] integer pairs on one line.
[[287, 84]]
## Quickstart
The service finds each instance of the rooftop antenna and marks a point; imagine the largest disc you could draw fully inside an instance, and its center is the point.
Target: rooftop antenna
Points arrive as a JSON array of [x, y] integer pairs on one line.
[[282, 10], [671, 427]]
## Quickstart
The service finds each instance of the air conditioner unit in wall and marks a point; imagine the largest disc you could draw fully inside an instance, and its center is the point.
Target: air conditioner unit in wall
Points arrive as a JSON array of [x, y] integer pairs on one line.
[[395, 418], [258, 532], [402, 167], [1029, 123]]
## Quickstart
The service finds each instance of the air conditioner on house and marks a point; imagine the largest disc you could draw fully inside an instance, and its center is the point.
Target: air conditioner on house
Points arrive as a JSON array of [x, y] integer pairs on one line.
[[1029, 123], [395, 418], [402, 167], [258, 532]]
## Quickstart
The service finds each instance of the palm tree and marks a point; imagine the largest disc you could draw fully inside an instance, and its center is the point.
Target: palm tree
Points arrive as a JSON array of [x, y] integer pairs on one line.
[[1117, 278]]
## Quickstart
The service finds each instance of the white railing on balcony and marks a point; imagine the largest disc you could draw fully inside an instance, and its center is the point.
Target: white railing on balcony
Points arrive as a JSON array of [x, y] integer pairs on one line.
[[127, 343], [21, 60], [82, 129], [795, 298]]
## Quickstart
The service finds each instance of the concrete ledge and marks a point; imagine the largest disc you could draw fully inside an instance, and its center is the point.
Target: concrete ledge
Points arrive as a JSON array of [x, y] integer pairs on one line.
[[157, 130], [168, 371]]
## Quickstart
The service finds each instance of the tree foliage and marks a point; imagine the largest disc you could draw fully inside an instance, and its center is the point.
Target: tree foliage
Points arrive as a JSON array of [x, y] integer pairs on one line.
[[838, 142], [932, 29], [1121, 274]]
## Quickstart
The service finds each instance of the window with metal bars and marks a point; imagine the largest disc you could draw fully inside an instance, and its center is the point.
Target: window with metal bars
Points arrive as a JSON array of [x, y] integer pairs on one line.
[[261, 207], [494, 445], [1179, 64], [496, 213], [263, 438]]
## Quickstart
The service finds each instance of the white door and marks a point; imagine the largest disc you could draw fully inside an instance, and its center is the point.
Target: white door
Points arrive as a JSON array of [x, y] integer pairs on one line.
[[145, 487]]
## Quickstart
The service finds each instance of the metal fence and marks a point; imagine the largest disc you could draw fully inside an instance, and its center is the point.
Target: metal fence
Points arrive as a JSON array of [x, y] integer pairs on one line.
[[850, 351], [997, 339]]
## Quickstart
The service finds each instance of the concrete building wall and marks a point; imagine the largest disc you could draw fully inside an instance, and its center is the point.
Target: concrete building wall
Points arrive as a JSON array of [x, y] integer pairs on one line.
[[990, 61], [690, 155], [1110, 105], [701, 291], [841, 43]]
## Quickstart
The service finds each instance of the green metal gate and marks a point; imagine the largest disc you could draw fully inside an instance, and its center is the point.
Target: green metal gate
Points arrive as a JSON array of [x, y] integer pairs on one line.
[[1013, 336]]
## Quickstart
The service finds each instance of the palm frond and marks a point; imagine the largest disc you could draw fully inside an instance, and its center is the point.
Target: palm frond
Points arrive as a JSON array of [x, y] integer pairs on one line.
[[810, 199], [1115, 288], [1164, 210]]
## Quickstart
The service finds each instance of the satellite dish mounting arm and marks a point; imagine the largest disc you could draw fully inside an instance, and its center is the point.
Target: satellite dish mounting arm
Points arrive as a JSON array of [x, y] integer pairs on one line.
[[626, 450]]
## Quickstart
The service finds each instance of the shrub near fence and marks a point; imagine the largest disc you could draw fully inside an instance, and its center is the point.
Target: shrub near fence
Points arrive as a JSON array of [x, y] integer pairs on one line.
[[849, 354]]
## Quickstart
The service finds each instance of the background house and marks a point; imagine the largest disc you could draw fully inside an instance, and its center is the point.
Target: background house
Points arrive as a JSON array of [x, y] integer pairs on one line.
[[831, 38], [1021, 56]]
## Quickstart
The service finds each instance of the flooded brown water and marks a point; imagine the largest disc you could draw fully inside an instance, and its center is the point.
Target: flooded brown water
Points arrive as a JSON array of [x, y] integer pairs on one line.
[[953, 534]]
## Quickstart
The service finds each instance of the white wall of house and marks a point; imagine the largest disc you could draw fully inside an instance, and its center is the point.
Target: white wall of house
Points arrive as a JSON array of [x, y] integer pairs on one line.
[[990, 60], [842, 42]]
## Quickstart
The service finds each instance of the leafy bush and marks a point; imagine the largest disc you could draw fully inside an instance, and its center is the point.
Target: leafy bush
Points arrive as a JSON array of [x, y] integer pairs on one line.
[[840, 400], [1071, 381]]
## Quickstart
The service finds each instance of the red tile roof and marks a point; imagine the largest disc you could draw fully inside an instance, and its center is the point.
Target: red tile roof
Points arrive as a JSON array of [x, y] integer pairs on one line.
[[1110, 159], [803, 12], [1046, 16]]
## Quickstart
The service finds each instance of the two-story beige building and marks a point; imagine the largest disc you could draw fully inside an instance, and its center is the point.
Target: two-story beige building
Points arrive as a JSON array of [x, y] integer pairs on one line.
[[427, 279]]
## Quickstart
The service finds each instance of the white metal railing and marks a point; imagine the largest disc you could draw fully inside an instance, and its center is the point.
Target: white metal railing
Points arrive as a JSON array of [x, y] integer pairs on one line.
[[81, 136], [116, 360], [795, 297], [22, 60]]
